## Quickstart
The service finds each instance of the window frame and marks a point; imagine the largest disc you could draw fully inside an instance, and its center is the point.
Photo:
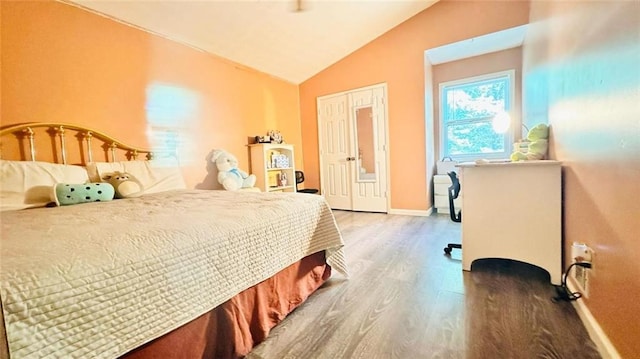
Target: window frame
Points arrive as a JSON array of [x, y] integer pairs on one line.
[[509, 106]]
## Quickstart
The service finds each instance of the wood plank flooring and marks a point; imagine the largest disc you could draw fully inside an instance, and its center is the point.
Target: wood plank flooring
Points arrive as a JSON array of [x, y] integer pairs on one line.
[[406, 299]]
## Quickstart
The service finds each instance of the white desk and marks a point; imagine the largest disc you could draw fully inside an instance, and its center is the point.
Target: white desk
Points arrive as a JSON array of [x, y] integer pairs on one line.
[[513, 211]]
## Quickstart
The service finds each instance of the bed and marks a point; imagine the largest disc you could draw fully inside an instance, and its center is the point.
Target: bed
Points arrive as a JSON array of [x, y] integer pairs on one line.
[[175, 272]]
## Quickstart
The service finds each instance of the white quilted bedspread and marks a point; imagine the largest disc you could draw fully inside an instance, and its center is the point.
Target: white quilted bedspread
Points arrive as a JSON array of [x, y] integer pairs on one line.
[[99, 279]]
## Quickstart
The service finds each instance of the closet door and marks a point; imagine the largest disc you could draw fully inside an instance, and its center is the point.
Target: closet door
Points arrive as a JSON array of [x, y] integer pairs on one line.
[[368, 140], [335, 151], [353, 157]]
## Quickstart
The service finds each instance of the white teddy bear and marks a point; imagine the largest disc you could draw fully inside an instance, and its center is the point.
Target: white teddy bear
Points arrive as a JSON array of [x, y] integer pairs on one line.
[[229, 176]]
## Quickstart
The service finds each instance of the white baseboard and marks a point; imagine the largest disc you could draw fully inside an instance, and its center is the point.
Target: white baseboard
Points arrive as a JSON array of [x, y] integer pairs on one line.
[[412, 212], [605, 347]]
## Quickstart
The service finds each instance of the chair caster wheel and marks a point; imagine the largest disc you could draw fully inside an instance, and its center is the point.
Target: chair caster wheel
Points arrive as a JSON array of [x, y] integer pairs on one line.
[[447, 250]]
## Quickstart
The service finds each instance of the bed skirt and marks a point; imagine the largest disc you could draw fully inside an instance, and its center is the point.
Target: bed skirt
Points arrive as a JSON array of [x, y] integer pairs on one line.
[[233, 328]]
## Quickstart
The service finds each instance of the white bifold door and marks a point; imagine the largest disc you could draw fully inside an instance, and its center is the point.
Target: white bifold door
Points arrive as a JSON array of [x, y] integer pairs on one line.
[[352, 129]]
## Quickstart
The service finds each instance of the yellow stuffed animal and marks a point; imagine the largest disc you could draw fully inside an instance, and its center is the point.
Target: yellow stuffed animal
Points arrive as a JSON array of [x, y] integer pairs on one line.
[[538, 138]]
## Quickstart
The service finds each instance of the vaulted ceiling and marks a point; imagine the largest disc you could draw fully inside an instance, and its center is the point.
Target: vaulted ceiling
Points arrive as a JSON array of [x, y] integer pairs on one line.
[[289, 39]]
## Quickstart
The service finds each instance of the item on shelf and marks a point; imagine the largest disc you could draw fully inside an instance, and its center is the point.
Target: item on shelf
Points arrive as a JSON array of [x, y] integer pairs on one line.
[[281, 161], [275, 136], [283, 179], [263, 139], [272, 179], [538, 143]]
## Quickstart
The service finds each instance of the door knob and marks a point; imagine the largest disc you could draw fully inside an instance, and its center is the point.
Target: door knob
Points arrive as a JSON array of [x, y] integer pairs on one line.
[[351, 158]]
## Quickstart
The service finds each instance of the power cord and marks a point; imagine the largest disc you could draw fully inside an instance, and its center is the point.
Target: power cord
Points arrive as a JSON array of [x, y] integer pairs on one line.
[[562, 291]]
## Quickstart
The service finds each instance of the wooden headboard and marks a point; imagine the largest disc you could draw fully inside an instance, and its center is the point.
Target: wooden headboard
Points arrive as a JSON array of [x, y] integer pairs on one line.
[[66, 143]]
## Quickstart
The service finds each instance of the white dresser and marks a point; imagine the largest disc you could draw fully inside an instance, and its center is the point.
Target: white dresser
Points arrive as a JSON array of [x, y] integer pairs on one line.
[[441, 184], [513, 211]]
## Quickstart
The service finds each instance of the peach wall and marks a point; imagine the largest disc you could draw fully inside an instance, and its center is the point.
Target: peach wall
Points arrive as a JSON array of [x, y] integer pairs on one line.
[[581, 72], [510, 59], [62, 63], [397, 58]]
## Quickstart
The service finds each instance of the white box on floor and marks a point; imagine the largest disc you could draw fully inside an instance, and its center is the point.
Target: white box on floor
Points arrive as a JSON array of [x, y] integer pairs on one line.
[[441, 184]]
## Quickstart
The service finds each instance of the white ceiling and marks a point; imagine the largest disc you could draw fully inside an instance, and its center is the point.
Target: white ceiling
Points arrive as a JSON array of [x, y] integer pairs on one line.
[[271, 36]]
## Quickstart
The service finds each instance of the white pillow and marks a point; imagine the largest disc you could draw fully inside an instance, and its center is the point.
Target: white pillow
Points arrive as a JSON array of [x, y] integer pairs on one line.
[[27, 184], [155, 176]]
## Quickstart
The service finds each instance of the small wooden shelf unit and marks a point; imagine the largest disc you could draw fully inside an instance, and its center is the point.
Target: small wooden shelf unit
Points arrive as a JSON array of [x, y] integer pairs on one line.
[[271, 162]]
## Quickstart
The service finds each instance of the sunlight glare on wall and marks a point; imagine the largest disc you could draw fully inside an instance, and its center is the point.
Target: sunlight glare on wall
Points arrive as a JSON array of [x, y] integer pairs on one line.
[[171, 119], [580, 89]]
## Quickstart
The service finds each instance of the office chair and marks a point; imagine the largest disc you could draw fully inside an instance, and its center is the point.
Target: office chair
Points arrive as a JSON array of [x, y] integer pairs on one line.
[[300, 179], [454, 191]]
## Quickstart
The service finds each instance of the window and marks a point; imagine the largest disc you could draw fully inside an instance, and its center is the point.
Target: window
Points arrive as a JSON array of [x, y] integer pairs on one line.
[[467, 108]]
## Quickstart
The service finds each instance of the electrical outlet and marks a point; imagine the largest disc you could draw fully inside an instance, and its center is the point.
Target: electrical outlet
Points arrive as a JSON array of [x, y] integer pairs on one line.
[[580, 252]]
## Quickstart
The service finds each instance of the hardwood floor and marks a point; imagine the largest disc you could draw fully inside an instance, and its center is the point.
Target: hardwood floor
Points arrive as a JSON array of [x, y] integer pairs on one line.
[[406, 299]]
